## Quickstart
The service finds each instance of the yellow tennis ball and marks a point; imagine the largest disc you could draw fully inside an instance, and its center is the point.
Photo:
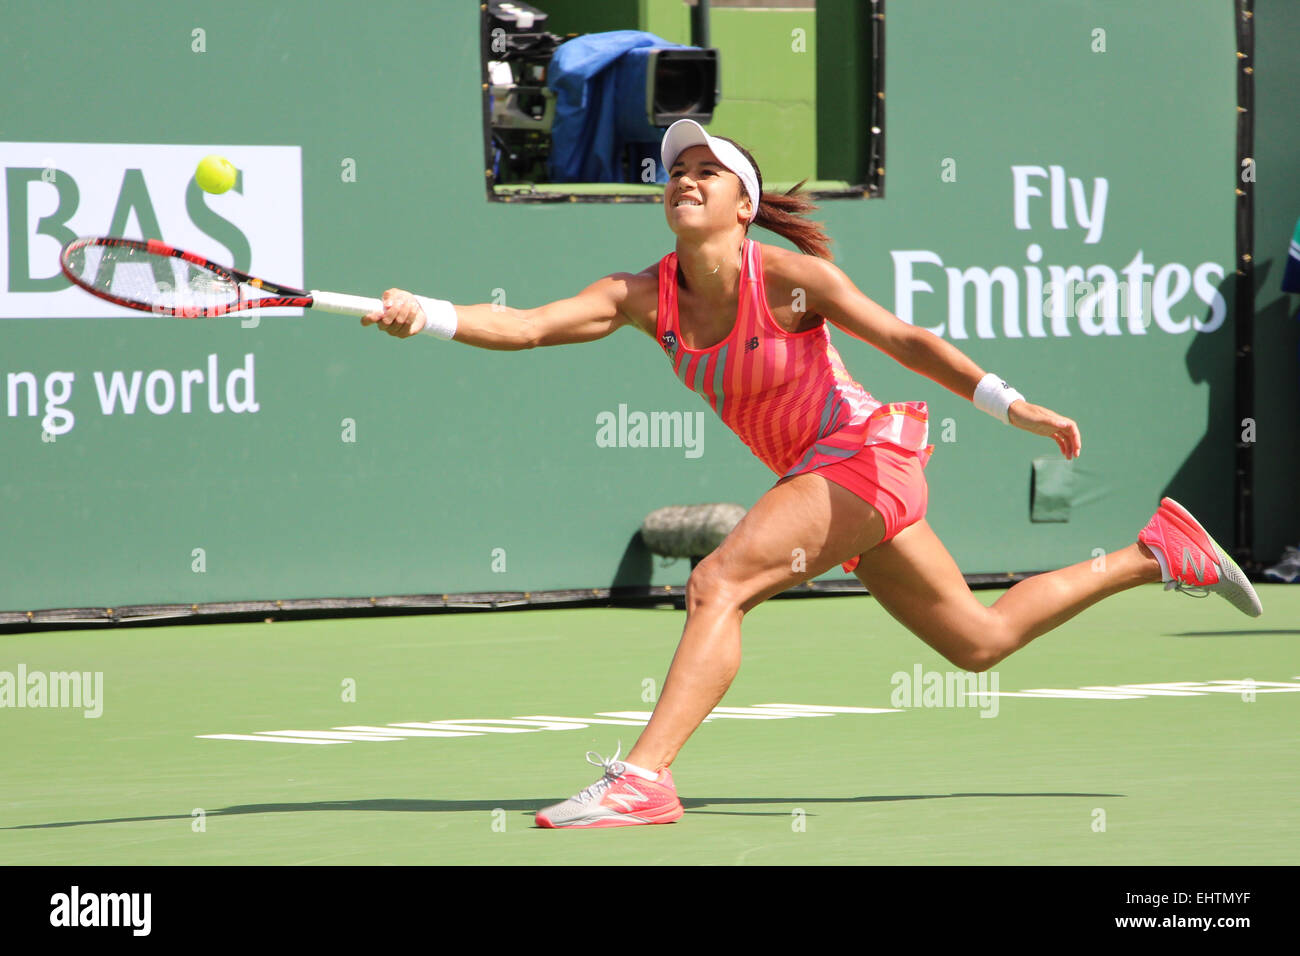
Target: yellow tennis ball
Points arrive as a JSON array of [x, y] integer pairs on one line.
[[215, 174]]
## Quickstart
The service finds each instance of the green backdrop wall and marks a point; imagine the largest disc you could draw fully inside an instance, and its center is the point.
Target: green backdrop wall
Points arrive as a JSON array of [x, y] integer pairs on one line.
[[376, 466]]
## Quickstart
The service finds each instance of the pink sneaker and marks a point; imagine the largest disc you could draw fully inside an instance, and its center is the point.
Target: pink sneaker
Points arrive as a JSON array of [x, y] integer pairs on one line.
[[618, 799], [1174, 535]]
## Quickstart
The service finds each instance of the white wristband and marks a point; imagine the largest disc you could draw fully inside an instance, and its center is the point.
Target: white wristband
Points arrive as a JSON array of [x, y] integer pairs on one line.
[[995, 396], [439, 317]]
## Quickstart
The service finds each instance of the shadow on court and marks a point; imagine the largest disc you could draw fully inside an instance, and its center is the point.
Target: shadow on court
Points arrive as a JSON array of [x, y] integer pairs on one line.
[[532, 806]]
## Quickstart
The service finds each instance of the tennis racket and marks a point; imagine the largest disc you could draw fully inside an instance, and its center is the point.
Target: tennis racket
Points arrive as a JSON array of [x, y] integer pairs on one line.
[[151, 276]]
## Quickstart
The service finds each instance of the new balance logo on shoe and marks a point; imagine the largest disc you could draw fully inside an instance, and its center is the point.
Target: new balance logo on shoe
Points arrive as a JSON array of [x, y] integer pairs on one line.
[[1189, 559], [627, 800]]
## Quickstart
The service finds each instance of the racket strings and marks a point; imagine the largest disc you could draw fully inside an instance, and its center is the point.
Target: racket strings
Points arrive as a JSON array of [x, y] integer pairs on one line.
[[152, 280]]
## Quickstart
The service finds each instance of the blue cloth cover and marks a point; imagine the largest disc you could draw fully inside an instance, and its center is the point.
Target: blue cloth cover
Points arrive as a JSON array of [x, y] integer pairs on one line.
[[585, 146]]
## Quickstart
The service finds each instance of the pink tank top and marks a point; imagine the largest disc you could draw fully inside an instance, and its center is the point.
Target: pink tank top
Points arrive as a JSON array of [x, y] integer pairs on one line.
[[786, 395]]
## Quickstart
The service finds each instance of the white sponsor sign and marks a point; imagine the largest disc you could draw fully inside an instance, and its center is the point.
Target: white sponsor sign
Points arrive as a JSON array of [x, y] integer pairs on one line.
[[1058, 299], [52, 192]]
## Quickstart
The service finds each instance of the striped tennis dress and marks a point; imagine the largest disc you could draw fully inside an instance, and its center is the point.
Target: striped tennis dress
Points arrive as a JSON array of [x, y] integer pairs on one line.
[[787, 396]]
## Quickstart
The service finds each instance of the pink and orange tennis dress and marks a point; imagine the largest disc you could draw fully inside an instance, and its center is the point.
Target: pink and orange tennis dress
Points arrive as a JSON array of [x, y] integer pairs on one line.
[[789, 398]]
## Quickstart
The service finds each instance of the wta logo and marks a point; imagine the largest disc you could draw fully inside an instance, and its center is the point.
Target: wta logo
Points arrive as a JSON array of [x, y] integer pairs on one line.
[[54, 192]]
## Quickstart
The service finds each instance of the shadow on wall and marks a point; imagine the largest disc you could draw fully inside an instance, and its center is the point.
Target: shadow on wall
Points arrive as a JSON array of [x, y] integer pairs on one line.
[[1205, 482], [636, 566]]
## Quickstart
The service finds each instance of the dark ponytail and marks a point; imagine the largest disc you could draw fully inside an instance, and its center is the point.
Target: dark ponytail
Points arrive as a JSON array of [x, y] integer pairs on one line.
[[786, 215]]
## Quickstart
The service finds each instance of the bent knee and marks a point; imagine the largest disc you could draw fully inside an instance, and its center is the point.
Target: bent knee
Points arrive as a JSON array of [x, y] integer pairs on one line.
[[710, 586], [982, 646], [978, 659]]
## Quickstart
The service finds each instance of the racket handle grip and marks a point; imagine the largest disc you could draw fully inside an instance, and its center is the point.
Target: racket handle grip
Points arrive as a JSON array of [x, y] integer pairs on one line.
[[345, 304]]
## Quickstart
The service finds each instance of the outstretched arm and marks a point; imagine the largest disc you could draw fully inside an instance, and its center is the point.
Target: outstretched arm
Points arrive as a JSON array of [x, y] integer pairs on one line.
[[595, 312], [832, 294]]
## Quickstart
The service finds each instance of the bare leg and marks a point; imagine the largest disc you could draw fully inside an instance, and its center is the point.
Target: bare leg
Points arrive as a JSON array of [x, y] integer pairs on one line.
[[805, 522], [912, 576], [1039, 604], [915, 578]]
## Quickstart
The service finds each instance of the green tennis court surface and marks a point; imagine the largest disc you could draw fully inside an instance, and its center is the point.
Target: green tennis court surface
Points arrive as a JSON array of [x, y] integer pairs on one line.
[[1178, 774]]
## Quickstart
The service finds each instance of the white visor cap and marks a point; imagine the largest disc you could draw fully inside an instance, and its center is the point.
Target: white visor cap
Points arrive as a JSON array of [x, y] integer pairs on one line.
[[684, 134]]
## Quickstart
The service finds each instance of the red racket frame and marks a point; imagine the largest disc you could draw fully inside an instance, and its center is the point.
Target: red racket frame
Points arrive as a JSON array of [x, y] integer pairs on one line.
[[282, 296]]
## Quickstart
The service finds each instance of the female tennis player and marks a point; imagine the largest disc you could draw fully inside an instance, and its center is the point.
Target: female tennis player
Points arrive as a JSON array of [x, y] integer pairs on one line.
[[744, 324]]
